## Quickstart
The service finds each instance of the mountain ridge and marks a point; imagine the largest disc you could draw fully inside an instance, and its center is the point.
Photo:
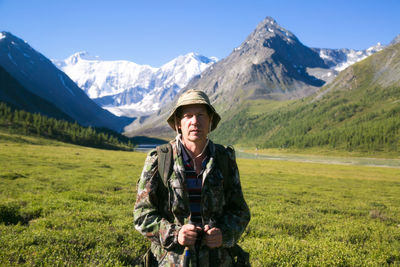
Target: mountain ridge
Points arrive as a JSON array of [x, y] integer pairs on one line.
[[339, 59], [140, 98], [271, 63], [38, 74], [267, 65], [126, 88]]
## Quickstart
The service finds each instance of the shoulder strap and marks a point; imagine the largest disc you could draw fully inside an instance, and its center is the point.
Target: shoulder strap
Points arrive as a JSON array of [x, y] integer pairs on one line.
[[223, 161], [164, 153]]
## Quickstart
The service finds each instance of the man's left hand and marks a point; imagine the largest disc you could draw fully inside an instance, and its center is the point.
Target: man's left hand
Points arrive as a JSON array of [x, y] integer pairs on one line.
[[213, 236]]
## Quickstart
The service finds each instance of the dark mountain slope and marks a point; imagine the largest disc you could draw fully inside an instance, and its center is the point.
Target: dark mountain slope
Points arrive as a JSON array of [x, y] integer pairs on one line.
[[38, 75], [18, 97]]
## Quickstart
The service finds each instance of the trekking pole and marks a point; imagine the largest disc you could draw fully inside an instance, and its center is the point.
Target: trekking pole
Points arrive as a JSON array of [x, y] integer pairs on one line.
[[186, 257], [186, 252]]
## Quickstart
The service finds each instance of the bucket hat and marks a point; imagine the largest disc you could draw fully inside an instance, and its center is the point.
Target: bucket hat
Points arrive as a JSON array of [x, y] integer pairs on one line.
[[192, 97]]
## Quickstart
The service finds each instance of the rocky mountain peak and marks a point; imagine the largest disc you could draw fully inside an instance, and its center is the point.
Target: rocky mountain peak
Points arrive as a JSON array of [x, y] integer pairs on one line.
[[268, 22], [272, 46], [273, 43], [73, 59], [269, 29], [270, 26]]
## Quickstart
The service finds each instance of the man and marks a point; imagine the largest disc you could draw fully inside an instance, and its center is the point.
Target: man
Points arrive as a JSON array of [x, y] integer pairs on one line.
[[189, 195]]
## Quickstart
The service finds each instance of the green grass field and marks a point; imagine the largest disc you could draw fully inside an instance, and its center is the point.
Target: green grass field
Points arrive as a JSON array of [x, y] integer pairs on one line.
[[62, 204]]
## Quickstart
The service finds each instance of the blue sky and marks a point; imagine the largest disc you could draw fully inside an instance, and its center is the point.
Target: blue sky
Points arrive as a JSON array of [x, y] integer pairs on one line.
[[154, 32]]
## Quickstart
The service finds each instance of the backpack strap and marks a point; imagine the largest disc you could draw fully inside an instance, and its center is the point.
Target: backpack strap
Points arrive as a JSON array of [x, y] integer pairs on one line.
[[164, 153], [223, 162]]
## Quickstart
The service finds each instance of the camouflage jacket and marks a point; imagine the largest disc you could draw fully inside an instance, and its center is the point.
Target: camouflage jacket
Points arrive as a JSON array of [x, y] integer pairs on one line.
[[160, 211]]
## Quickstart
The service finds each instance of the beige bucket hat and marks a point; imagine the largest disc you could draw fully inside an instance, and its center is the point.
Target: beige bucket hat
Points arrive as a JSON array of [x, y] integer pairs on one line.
[[191, 97]]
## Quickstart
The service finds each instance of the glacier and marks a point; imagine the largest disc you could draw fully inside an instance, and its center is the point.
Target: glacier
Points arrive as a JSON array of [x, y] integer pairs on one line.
[[129, 89]]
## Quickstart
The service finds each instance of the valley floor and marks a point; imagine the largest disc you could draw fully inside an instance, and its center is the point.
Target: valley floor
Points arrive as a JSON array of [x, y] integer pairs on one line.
[[63, 204], [327, 159]]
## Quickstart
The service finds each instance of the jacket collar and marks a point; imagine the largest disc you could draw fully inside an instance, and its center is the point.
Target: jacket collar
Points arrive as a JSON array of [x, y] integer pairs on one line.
[[178, 159], [178, 138]]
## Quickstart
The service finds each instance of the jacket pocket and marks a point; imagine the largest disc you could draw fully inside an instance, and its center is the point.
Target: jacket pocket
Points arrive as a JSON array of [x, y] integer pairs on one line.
[[178, 199], [213, 191]]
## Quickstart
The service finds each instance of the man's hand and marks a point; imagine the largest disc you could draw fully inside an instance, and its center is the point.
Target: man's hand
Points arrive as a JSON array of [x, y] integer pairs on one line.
[[188, 234], [213, 237]]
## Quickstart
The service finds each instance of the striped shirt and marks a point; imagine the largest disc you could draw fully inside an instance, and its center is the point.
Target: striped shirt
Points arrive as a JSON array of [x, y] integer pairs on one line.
[[193, 183]]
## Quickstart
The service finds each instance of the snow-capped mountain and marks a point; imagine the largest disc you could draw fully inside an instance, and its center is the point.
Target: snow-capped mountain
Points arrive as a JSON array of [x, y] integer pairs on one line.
[[339, 59], [126, 88]]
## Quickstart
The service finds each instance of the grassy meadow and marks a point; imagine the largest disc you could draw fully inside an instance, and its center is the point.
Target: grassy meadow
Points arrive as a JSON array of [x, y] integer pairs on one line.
[[63, 204]]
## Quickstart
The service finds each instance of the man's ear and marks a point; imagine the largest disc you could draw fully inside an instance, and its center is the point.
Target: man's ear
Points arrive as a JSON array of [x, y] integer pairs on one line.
[[177, 126]]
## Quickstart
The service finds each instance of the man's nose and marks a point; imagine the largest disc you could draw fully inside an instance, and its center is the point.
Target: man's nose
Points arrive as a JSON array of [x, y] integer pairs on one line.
[[195, 119]]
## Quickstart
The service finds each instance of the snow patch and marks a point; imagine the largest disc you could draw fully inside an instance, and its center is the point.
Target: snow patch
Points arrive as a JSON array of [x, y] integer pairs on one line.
[[11, 59], [340, 59], [65, 85], [323, 55], [2, 36], [24, 73]]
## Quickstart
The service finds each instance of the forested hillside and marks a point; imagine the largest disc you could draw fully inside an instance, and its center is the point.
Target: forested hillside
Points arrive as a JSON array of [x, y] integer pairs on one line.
[[26, 123], [360, 111]]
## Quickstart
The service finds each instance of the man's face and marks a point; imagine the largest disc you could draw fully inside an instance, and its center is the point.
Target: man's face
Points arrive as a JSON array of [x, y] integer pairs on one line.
[[194, 122]]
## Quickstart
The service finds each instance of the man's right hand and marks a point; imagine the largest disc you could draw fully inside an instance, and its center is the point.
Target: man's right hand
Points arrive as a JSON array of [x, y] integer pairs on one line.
[[188, 234]]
